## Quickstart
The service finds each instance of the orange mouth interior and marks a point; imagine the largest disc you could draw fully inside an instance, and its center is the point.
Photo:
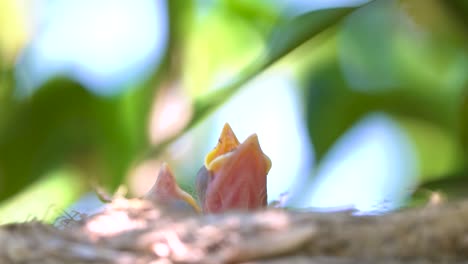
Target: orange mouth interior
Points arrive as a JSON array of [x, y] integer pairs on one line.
[[227, 143]]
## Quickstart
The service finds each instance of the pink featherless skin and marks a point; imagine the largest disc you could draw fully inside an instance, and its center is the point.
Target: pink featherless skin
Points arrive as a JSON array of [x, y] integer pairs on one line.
[[167, 193], [234, 176]]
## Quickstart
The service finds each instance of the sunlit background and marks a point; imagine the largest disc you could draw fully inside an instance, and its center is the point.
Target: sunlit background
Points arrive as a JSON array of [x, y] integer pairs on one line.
[[370, 113]]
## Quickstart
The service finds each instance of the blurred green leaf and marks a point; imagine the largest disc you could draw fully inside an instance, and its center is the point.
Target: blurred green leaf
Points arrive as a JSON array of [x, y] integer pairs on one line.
[[333, 107], [363, 37], [258, 14], [13, 30], [218, 46], [289, 35], [31, 127], [438, 17], [286, 37], [381, 65], [6, 90], [64, 123], [44, 200], [463, 123], [379, 48], [427, 137], [460, 9]]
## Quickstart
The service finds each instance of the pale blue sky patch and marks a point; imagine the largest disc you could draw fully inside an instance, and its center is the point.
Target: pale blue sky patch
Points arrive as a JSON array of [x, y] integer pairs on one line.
[[104, 44], [371, 168]]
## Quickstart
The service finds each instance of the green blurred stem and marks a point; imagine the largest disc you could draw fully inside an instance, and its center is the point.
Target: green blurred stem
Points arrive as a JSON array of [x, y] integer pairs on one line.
[[285, 38]]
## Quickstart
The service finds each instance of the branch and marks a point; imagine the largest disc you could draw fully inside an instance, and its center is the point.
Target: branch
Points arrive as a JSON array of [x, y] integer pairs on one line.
[[134, 231]]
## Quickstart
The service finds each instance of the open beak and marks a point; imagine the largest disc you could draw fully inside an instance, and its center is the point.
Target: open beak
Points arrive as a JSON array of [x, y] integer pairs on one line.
[[234, 175], [167, 193]]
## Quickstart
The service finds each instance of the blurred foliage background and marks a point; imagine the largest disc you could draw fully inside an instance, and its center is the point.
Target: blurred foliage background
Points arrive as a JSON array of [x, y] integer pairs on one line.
[[358, 104]]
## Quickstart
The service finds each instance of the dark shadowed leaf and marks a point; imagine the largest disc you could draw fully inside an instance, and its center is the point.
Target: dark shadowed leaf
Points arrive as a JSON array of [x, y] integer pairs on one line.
[[460, 10], [64, 123], [463, 123], [384, 66], [333, 107], [451, 186]]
